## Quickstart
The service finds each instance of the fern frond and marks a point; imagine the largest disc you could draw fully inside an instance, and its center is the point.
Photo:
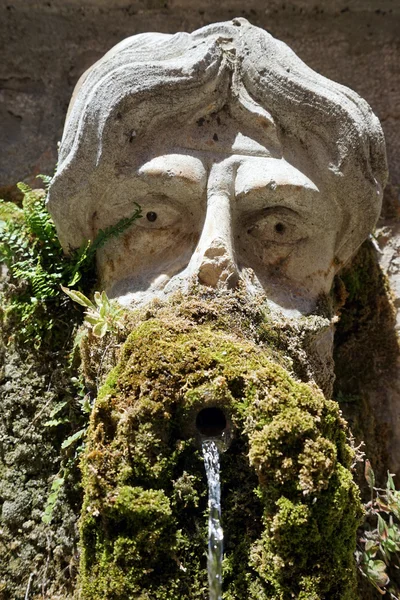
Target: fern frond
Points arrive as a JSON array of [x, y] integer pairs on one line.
[[114, 230], [81, 260], [30, 248], [44, 284], [24, 187], [47, 179], [24, 269], [10, 212], [15, 245], [38, 219]]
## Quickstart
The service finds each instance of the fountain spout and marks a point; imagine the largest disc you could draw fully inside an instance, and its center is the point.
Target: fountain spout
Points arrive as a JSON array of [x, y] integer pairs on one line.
[[211, 422]]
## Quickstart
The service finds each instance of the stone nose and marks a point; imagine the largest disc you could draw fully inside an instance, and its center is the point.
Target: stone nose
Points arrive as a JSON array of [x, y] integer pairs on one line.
[[216, 262], [217, 267]]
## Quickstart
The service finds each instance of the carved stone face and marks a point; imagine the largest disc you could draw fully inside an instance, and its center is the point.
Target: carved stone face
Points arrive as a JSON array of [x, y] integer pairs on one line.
[[249, 168], [216, 215]]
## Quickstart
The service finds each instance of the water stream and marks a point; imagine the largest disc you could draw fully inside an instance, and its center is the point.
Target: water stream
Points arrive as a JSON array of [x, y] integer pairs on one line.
[[215, 533]]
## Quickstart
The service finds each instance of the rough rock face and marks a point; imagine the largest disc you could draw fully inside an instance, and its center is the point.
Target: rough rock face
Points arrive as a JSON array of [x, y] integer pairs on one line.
[[36, 558]]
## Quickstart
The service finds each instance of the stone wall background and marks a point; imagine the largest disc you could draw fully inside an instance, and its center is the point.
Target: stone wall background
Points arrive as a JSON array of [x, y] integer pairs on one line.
[[46, 45]]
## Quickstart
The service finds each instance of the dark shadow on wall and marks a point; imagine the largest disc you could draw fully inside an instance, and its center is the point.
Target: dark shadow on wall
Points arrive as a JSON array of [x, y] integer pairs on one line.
[[366, 358]]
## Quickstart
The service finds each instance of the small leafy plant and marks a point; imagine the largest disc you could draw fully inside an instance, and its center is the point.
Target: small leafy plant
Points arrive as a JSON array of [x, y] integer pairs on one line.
[[101, 316], [62, 414], [38, 267], [56, 486], [378, 551]]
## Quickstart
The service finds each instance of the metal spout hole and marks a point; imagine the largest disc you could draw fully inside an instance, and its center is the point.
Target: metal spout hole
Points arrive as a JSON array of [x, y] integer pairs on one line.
[[211, 422]]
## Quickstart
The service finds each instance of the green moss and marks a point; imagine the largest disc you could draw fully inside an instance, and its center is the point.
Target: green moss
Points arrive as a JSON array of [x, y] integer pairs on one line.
[[290, 507]]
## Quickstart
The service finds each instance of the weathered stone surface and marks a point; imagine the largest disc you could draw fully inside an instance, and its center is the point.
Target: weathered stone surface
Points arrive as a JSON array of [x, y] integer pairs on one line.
[[34, 555], [46, 46], [248, 166]]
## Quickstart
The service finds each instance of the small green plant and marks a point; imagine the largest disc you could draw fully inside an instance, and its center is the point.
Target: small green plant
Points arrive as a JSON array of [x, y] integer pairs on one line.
[[64, 413], [37, 314], [38, 267], [101, 316], [378, 551], [56, 486]]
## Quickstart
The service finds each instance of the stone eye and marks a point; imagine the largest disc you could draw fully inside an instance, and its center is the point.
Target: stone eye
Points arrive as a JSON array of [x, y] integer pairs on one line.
[[159, 213], [281, 227], [151, 216]]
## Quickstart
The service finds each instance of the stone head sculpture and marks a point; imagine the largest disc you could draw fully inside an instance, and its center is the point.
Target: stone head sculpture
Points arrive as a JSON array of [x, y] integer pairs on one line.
[[252, 172], [248, 166]]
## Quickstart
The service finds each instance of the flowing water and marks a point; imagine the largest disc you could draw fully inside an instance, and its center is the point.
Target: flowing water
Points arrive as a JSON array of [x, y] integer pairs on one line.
[[215, 533]]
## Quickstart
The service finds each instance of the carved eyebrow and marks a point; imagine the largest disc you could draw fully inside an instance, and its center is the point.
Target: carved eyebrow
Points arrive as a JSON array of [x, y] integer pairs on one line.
[[168, 176], [171, 169], [265, 182], [285, 196]]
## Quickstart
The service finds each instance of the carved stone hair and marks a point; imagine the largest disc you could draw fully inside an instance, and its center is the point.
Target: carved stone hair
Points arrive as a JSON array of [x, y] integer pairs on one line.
[[151, 78]]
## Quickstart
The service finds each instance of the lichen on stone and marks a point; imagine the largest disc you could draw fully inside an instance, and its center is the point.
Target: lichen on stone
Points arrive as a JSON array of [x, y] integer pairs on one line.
[[290, 507]]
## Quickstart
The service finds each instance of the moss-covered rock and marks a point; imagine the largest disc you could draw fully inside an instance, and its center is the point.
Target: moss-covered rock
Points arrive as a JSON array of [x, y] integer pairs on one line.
[[289, 505], [36, 556]]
